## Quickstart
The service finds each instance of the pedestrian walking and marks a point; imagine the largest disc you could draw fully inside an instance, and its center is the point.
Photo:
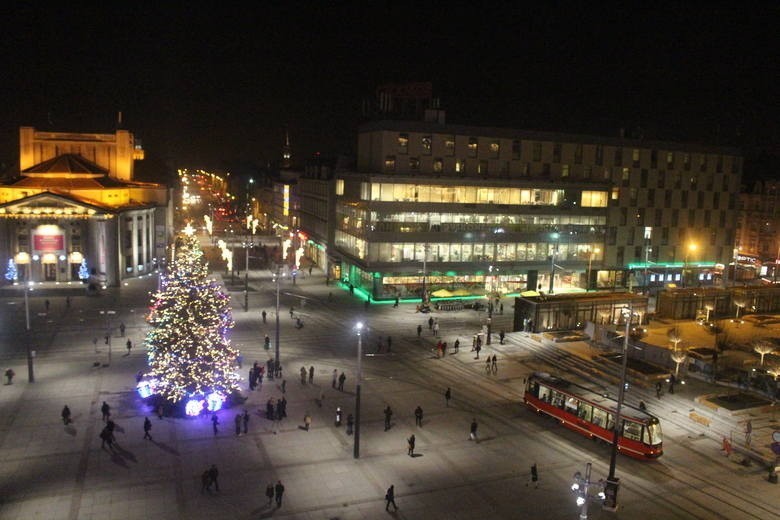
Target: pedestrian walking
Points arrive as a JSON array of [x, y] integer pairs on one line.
[[107, 437], [213, 477], [672, 381], [478, 348], [748, 432], [501, 308], [46, 304], [106, 410], [215, 423], [456, 346], [447, 396], [487, 365], [122, 329], [66, 415], [303, 375], [279, 410], [147, 428], [269, 492], [501, 336], [430, 323], [390, 498], [238, 424], [494, 364], [418, 415], [9, 376], [473, 434], [292, 312], [263, 314], [279, 492], [335, 377], [388, 416], [160, 411], [307, 421], [267, 342], [245, 418], [311, 375], [658, 389], [397, 301], [410, 444], [534, 475], [436, 329], [342, 378], [129, 346], [269, 409], [419, 330]]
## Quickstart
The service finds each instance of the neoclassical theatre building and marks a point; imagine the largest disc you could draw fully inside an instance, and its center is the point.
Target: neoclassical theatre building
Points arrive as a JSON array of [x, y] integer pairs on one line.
[[74, 199]]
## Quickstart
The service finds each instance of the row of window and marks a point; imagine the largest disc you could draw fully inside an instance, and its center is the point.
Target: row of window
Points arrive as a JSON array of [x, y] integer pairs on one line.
[[402, 192], [574, 151], [433, 218]]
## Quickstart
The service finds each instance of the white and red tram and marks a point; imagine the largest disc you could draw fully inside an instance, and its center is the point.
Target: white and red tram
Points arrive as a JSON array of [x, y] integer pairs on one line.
[[592, 414]]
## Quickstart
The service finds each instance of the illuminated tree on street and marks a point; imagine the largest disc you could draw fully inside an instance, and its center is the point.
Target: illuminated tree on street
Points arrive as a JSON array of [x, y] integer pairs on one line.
[[190, 356]]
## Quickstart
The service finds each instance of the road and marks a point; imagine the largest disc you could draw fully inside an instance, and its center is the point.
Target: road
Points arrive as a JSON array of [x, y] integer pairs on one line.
[[50, 471]]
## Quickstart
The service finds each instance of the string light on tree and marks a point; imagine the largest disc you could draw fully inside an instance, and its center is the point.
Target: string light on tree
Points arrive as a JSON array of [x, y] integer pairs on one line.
[[11, 273], [190, 357], [83, 270]]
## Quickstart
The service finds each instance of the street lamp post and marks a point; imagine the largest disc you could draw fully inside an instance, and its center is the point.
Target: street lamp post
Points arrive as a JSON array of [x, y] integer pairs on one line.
[[612, 485], [359, 329], [555, 237], [276, 339], [690, 249], [30, 354], [108, 315], [590, 266], [581, 486], [424, 300]]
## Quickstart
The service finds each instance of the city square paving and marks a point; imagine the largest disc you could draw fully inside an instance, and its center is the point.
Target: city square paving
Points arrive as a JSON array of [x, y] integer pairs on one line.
[[48, 470]]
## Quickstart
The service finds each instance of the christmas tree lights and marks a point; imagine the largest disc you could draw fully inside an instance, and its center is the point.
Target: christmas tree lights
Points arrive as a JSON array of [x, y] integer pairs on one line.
[[83, 270], [11, 273], [190, 357]]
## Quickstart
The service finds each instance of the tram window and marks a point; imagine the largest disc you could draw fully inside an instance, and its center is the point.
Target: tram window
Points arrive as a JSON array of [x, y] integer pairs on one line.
[[610, 422], [585, 412], [544, 393], [655, 434], [571, 404], [599, 417], [646, 436], [557, 399], [632, 430]]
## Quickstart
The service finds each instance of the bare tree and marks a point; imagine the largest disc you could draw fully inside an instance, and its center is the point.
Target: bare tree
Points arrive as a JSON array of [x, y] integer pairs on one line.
[[674, 336], [678, 356], [739, 302], [763, 347]]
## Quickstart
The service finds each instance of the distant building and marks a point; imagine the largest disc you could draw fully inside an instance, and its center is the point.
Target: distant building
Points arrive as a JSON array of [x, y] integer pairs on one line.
[[74, 199], [494, 210], [757, 246]]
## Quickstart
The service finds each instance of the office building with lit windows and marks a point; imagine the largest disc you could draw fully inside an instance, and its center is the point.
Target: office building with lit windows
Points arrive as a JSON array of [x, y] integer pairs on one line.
[[476, 210]]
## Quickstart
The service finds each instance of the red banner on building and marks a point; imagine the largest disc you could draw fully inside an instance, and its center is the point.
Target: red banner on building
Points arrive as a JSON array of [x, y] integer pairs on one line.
[[48, 243]]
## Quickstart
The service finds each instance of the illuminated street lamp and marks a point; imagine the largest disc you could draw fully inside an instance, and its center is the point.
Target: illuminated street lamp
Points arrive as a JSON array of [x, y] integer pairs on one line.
[[690, 249], [358, 330], [582, 486]]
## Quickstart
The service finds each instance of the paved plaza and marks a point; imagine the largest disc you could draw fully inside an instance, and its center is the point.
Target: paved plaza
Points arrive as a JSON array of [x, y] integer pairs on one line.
[[52, 471]]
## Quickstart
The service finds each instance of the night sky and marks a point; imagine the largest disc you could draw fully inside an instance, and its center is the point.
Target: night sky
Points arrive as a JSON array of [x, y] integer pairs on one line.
[[215, 87]]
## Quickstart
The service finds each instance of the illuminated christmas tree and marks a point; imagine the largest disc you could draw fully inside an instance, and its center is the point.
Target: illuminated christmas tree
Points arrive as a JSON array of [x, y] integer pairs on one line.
[[190, 357], [11, 274], [83, 271]]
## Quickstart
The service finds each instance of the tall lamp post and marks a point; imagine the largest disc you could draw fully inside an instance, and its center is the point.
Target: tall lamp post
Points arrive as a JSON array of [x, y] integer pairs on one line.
[[277, 277], [690, 249], [108, 315], [555, 236], [581, 487], [590, 265], [30, 353], [424, 300], [612, 485], [359, 329]]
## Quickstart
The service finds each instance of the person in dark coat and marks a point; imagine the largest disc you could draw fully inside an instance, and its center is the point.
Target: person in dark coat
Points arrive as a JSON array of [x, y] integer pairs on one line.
[[390, 499], [388, 416], [269, 492], [66, 414], [245, 417], [342, 378], [473, 434], [214, 423], [279, 491], [213, 476], [410, 441], [147, 428], [106, 411], [418, 415]]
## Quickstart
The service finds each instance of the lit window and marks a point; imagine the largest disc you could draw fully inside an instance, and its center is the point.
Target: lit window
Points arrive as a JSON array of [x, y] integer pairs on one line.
[[339, 186], [390, 163], [473, 147], [565, 170], [495, 147], [449, 145], [403, 143], [414, 163], [426, 144], [438, 165]]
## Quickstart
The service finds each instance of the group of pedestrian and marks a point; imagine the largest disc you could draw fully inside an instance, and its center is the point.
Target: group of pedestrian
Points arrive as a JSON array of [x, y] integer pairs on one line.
[[256, 374], [309, 373], [242, 419], [441, 349], [208, 478], [433, 326], [491, 365], [277, 491], [273, 369], [338, 382], [107, 435]]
